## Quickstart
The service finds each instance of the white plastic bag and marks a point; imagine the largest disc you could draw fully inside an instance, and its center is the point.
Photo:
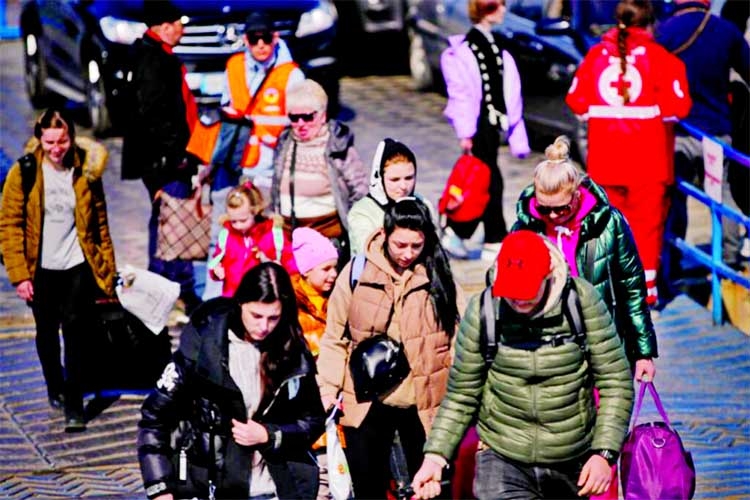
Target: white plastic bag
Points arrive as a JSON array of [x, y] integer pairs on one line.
[[339, 479], [147, 296]]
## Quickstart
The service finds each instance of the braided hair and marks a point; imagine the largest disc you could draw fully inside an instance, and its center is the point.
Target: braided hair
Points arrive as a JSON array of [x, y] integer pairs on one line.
[[639, 13]]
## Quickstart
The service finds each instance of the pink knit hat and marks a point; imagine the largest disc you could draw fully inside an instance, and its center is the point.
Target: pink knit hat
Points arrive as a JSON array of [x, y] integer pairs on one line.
[[311, 249]]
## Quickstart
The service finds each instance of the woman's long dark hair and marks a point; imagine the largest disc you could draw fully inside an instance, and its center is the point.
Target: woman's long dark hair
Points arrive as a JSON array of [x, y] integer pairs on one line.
[[282, 349], [411, 213]]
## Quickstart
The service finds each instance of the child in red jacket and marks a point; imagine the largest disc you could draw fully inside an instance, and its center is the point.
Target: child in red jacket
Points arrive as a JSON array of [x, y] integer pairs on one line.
[[246, 239]]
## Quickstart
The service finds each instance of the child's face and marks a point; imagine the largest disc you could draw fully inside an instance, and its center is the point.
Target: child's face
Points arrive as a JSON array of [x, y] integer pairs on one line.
[[323, 276], [241, 218]]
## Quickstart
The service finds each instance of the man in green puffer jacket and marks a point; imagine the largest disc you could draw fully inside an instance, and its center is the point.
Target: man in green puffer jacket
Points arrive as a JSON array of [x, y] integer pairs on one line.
[[540, 434]]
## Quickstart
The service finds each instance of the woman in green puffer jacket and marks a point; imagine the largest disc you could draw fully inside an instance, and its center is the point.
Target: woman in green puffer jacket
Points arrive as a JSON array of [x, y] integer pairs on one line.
[[575, 214], [534, 403]]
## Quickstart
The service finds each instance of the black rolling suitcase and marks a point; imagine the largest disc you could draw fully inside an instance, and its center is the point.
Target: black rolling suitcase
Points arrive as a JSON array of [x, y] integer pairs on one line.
[[126, 355]]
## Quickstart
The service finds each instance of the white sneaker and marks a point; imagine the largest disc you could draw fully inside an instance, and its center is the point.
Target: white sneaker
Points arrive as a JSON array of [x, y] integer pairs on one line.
[[453, 245], [490, 251]]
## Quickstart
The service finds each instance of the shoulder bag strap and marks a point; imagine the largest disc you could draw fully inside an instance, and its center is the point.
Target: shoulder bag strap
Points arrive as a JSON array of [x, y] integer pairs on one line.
[[488, 325], [292, 165], [254, 97], [695, 34]]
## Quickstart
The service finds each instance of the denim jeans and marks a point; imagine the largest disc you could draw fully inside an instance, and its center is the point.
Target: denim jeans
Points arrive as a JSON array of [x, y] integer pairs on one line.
[[498, 477]]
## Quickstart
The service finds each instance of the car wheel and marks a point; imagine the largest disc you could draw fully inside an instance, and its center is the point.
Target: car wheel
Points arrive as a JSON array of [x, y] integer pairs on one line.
[[96, 102], [36, 72], [419, 65]]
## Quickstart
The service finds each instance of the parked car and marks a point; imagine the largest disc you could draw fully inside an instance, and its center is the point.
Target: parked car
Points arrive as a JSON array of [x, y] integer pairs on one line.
[[547, 38], [79, 49], [376, 16]]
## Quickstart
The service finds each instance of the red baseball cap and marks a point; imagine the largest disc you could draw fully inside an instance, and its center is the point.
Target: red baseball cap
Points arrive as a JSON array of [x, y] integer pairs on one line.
[[522, 265]]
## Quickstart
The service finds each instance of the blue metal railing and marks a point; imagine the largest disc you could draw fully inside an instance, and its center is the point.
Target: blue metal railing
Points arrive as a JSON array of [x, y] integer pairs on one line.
[[6, 32], [713, 261]]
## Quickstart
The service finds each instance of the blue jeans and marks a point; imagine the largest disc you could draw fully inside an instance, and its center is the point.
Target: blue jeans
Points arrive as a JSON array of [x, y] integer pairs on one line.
[[498, 477]]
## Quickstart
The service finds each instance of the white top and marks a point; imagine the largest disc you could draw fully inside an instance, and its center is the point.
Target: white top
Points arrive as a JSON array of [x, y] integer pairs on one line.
[[244, 368], [60, 246]]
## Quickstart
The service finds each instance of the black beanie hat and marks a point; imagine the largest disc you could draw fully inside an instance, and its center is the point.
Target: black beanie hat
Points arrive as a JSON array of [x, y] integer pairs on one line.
[[156, 12], [258, 22]]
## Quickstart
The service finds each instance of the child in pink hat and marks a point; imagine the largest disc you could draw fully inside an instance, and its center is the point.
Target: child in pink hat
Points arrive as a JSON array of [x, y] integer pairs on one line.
[[316, 259]]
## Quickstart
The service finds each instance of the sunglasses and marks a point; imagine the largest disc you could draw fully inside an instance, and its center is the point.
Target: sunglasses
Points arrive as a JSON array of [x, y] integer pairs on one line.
[[305, 117], [254, 38], [559, 210]]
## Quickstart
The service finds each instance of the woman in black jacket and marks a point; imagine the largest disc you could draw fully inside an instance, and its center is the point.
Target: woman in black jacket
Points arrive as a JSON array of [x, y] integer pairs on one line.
[[235, 412]]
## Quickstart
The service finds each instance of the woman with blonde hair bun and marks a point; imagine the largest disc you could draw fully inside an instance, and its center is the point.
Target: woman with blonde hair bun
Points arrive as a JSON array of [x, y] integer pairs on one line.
[[570, 209]]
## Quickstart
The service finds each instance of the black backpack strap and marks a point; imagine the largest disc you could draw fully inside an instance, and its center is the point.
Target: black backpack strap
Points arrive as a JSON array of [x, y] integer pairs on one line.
[[573, 312], [27, 163], [487, 327]]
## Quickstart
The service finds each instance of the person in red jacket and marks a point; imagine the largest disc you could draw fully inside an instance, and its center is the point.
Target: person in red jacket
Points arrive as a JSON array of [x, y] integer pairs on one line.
[[630, 89], [246, 239]]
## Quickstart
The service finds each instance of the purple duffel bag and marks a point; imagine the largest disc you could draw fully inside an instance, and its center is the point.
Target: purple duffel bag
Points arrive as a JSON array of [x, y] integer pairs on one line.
[[654, 464]]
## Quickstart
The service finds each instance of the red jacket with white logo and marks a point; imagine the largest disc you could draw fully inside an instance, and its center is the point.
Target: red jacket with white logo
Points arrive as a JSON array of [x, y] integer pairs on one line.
[[630, 143]]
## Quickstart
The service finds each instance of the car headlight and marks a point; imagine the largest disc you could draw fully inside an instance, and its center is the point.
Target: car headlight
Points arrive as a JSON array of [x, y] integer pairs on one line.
[[120, 30], [318, 19]]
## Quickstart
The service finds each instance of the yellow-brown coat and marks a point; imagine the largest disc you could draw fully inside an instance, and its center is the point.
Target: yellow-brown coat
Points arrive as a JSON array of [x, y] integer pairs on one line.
[[21, 238]]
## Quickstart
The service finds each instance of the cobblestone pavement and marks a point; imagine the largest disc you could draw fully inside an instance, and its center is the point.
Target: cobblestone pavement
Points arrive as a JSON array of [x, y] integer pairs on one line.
[[704, 371]]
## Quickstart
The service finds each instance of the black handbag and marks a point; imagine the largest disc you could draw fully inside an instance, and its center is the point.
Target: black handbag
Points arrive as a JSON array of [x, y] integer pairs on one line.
[[377, 364]]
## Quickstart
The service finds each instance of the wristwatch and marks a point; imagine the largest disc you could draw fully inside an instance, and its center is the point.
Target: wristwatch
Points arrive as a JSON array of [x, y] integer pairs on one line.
[[608, 455]]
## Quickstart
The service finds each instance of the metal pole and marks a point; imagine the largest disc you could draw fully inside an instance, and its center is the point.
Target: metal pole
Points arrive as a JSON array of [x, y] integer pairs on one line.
[[716, 256]]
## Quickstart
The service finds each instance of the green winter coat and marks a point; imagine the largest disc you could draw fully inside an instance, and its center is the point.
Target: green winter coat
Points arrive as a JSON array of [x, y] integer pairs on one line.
[[607, 258], [537, 406]]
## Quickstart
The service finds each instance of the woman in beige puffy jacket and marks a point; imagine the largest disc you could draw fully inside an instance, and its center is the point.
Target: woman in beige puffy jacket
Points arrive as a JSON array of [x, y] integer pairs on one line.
[[405, 290]]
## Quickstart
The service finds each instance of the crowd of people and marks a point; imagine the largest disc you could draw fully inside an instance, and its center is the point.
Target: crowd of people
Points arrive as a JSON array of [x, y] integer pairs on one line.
[[313, 269]]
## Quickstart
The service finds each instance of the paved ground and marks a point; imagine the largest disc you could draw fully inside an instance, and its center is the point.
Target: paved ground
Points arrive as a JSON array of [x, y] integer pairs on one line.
[[704, 371]]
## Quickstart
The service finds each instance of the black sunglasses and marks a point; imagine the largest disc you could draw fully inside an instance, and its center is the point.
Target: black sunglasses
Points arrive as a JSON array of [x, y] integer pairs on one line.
[[254, 38], [559, 210], [305, 117]]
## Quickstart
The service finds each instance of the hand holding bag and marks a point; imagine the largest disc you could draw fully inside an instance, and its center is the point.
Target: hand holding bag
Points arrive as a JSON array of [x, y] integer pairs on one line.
[[654, 463], [184, 227], [339, 478]]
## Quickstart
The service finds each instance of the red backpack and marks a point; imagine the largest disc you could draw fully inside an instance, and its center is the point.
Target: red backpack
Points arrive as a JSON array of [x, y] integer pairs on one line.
[[467, 190]]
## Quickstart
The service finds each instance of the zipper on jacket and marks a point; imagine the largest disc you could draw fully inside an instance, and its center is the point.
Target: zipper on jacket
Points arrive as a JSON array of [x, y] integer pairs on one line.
[[278, 390]]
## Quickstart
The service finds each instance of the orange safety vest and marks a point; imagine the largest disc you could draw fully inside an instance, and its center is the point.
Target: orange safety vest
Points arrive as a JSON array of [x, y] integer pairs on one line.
[[267, 110]]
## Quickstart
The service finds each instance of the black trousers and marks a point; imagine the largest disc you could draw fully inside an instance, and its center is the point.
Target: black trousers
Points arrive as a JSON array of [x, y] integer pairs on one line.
[[64, 299], [368, 447], [486, 145]]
